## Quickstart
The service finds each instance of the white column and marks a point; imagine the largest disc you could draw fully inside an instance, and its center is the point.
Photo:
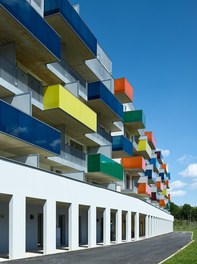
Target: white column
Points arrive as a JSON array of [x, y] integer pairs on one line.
[[150, 231], [128, 226], [146, 226], [136, 226], [49, 227], [92, 226], [152, 226], [106, 227], [17, 223], [119, 226], [73, 226]]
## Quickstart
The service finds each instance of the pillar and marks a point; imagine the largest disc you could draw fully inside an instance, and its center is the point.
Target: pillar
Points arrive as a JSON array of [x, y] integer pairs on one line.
[[92, 226], [17, 223], [49, 227], [73, 226]]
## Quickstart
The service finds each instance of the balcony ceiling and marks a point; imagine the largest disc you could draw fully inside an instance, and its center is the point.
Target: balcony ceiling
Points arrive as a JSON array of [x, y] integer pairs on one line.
[[11, 146], [29, 51], [106, 114], [100, 177], [74, 128], [77, 51]]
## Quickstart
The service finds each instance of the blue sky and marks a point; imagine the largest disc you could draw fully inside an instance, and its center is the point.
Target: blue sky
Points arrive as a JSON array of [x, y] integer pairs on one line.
[[153, 43]]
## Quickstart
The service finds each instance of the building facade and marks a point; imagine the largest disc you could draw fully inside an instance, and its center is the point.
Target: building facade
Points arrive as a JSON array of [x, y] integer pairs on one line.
[[78, 168]]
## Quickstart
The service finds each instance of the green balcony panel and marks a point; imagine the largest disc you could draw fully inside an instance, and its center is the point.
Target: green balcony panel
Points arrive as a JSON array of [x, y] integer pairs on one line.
[[103, 169], [134, 120]]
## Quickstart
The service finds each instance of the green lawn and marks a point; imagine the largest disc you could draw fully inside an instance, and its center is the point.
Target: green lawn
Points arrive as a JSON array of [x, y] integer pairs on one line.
[[189, 254]]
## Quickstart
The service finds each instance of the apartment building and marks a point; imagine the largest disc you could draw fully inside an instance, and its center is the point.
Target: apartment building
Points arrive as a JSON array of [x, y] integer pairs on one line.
[[78, 168]]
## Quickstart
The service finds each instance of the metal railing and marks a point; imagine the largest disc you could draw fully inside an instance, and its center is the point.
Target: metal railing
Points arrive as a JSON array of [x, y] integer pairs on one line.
[[18, 78], [74, 155]]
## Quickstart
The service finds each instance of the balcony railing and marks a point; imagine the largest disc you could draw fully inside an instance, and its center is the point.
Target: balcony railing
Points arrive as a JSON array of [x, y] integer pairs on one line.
[[22, 11], [24, 82], [121, 143], [100, 164], [17, 124], [97, 90], [74, 155], [73, 19]]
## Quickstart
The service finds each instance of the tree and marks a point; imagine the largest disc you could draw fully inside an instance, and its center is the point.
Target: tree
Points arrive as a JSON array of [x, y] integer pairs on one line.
[[175, 210], [185, 211]]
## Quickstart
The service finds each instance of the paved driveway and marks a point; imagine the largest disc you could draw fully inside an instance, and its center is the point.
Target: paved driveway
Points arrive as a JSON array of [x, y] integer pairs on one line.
[[148, 251]]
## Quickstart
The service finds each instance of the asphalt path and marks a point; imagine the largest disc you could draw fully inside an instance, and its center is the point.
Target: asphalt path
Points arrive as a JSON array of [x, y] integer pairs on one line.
[[148, 251]]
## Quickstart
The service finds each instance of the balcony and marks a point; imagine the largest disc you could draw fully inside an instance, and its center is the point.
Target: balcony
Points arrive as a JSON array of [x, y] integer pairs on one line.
[[71, 160], [144, 149], [155, 164], [162, 203], [20, 81], [134, 165], [102, 101], [62, 107], [36, 42], [144, 189], [123, 90], [134, 120], [151, 139], [104, 170], [168, 175], [165, 168], [80, 43], [159, 156], [121, 147], [21, 134]]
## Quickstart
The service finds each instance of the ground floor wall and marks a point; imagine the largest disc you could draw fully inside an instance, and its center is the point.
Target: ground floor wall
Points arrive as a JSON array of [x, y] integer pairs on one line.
[[41, 210]]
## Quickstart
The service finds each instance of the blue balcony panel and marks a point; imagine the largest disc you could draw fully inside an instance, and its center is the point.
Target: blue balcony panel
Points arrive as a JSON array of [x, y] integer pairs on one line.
[[25, 135], [162, 175], [155, 164], [36, 42], [121, 147], [73, 19], [102, 101]]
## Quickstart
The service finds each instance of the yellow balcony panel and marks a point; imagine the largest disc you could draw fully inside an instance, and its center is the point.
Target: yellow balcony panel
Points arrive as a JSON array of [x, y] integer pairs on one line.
[[144, 149], [62, 107]]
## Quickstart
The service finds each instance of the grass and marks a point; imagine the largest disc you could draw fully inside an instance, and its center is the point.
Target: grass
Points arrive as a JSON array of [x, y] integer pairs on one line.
[[189, 254]]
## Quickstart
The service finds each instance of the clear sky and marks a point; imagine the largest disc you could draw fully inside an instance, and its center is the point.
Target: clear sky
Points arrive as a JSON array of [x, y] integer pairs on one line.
[[153, 43]]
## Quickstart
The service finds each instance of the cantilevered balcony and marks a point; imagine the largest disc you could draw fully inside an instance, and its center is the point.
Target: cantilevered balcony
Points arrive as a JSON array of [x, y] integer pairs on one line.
[[36, 42], [155, 164], [134, 120], [80, 43], [151, 139], [144, 189], [159, 156], [123, 90], [21, 134], [103, 170], [121, 147], [62, 107], [102, 101], [164, 167], [134, 165], [144, 149]]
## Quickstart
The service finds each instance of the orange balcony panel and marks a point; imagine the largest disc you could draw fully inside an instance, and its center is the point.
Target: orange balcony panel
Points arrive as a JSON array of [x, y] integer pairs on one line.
[[164, 167], [151, 139], [158, 184], [134, 164], [123, 90], [144, 188], [162, 203], [167, 183]]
